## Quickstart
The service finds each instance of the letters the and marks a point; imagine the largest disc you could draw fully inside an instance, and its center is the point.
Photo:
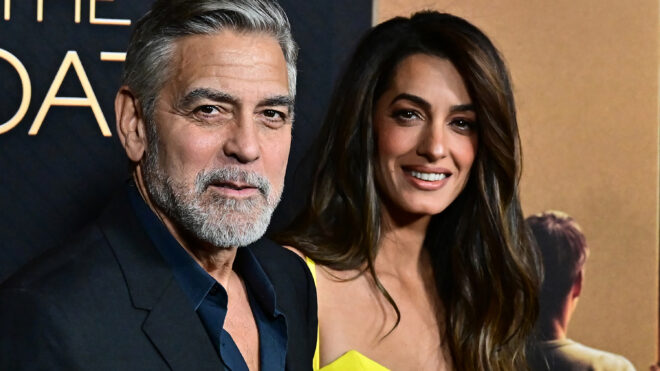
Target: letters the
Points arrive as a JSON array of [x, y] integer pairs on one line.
[[104, 21], [40, 10]]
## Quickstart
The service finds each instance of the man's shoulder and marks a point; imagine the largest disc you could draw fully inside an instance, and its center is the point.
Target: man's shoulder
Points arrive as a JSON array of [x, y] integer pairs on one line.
[[283, 267], [296, 298], [267, 250], [67, 307], [600, 359], [72, 259], [586, 358], [87, 261], [52, 306]]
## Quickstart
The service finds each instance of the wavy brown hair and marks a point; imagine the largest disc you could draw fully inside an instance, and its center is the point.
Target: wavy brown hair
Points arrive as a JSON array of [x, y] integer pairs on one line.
[[486, 270]]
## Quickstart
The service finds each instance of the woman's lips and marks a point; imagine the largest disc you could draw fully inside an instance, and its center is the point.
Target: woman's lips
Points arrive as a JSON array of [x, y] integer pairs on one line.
[[427, 179]]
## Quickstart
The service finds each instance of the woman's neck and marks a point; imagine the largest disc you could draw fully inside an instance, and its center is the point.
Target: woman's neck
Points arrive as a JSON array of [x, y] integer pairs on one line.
[[400, 250]]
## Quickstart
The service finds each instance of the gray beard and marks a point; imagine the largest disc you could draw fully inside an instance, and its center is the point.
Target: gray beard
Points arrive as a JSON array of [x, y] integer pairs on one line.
[[219, 221]]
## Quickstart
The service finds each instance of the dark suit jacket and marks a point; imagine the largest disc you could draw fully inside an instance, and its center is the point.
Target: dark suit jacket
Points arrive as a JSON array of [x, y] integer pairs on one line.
[[108, 301]]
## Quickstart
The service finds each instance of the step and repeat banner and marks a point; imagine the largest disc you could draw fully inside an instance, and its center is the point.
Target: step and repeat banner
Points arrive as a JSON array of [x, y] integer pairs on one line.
[[585, 77], [60, 63]]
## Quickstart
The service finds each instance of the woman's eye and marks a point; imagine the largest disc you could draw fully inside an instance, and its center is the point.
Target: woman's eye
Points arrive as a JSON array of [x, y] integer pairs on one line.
[[406, 115], [462, 124]]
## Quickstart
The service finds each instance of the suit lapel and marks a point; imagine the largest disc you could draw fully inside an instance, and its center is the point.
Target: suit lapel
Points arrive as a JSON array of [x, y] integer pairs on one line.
[[179, 336], [172, 325]]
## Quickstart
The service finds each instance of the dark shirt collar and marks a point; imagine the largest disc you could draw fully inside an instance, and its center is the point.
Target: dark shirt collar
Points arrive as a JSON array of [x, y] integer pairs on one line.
[[209, 299], [195, 281], [192, 278]]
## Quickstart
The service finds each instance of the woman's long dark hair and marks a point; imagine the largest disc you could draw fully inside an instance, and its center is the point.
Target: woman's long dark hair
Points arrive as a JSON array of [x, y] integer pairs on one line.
[[486, 270]]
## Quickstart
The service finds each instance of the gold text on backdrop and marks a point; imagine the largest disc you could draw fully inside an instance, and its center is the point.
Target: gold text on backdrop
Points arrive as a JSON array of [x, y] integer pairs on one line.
[[71, 59], [92, 13]]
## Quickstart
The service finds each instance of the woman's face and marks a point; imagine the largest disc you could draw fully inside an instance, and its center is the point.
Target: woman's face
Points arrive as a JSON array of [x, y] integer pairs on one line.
[[426, 135]]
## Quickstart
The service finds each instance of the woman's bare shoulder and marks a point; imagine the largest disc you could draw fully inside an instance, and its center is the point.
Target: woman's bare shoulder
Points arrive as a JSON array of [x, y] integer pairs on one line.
[[326, 272]]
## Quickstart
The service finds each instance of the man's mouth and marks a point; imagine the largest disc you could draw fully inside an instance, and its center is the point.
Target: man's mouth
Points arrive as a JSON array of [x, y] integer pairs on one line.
[[232, 185], [232, 182], [235, 190]]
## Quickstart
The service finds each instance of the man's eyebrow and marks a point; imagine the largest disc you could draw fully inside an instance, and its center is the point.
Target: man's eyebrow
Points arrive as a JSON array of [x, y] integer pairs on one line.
[[278, 100], [468, 107], [205, 93]]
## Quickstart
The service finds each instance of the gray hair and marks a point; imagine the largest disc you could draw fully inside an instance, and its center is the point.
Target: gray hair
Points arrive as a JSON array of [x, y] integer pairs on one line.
[[147, 65]]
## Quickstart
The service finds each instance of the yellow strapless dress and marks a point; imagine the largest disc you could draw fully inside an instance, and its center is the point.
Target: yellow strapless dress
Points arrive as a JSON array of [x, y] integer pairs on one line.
[[351, 360]]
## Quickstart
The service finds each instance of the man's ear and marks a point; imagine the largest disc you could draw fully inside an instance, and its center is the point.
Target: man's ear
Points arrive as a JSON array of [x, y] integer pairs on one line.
[[130, 124], [576, 290]]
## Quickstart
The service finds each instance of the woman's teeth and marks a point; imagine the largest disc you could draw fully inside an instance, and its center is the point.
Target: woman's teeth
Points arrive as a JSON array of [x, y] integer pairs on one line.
[[429, 177]]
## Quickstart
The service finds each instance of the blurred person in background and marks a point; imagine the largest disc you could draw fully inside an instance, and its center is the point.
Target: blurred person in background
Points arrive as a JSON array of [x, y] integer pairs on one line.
[[564, 250]]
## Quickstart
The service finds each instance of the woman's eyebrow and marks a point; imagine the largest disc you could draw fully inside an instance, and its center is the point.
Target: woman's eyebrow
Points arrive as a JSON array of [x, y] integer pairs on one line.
[[467, 107], [413, 98]]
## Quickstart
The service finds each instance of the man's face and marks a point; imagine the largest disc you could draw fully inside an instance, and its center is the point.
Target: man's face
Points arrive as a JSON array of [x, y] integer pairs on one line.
[[223, 124]]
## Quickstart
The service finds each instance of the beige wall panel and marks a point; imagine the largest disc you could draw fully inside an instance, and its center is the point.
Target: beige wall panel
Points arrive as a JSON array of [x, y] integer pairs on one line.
[[585, 76]]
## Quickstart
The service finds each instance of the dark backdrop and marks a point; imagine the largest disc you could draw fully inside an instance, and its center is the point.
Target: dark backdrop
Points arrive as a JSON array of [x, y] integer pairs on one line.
[[53, 182]]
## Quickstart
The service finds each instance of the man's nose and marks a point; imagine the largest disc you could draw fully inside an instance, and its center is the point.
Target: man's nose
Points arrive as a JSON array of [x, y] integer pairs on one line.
[[242, 142], [432, 143]]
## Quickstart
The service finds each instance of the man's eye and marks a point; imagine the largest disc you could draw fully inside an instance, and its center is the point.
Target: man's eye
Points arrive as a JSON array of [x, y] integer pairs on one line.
[[273, 118], [206, 110], [211, 113], [274, 114]]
